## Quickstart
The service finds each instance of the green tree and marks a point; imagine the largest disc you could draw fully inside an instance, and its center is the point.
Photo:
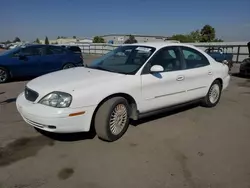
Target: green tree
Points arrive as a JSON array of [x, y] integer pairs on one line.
[[98, 39], [130, 40], [58, 37], [207, 33], [37, 41], [182, 38], [7, 42], [17, 39], [195, 36], [74, 37], [46, 40]]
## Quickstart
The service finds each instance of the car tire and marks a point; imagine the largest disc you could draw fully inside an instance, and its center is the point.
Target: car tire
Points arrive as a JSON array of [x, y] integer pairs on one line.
[[213, 96], [112, 119], [4, 75], [68, 66], [242, 74]]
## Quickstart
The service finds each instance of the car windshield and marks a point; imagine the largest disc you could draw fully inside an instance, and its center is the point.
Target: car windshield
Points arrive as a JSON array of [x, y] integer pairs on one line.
[[9, 51], [126, 59]]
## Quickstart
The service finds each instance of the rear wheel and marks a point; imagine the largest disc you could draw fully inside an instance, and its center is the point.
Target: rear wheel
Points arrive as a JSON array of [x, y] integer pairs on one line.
[[213, 95], [4, 75], [68, 66], [112, 119]]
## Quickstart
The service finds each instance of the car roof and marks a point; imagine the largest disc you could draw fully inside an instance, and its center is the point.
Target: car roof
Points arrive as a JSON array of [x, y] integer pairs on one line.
[[159, 45]]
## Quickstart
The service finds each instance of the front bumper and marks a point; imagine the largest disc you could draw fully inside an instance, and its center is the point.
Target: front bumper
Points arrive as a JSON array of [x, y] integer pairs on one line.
[[54, 119]]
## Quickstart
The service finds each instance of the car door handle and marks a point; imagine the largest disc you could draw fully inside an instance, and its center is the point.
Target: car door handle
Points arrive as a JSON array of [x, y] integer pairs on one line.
[[210, 73], [180, 78]]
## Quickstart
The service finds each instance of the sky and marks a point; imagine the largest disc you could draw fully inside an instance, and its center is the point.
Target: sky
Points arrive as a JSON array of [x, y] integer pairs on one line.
[[31, 19]]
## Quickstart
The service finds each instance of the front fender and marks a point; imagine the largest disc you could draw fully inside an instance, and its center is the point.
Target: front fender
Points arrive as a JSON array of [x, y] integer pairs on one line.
[[11, 66], [94, 94]]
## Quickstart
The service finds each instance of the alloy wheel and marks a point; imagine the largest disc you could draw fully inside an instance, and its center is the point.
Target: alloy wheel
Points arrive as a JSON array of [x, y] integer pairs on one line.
[[118, 119], [3, 75], [214, 93]]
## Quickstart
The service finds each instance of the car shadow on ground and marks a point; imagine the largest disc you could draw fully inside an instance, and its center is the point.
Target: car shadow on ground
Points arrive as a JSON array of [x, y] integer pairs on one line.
[[22, 79], [7, 101], [69, 137]]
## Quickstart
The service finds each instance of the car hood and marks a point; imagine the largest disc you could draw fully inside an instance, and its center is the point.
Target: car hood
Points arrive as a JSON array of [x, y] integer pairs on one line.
[[70, 79]]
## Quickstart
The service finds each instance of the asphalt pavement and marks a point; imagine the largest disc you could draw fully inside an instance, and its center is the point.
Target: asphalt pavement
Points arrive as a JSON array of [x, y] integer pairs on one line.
[[191, 147]]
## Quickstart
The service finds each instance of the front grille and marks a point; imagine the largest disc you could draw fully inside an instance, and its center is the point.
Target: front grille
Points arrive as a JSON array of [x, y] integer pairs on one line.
[[30, 95]]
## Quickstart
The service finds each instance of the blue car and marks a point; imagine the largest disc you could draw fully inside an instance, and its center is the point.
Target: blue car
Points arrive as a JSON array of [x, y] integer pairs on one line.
[[220, 55], [36, 60]]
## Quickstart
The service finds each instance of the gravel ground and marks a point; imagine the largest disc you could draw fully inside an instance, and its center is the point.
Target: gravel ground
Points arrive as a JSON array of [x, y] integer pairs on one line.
[[192, 147]]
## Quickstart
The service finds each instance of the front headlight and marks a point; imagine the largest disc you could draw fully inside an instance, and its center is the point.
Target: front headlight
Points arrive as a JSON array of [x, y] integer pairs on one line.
[[57, 99]]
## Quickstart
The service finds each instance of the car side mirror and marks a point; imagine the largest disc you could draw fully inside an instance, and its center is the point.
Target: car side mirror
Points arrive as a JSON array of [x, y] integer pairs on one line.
[[156, 69], [225, 62]]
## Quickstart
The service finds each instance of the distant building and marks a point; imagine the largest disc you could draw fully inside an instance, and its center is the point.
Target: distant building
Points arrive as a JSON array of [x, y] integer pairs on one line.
[[85, 40], [68, 41], [121, 38]]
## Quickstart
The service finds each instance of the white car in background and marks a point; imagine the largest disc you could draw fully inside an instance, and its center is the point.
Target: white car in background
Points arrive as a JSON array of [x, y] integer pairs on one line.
[[129, 82], [13, 46]]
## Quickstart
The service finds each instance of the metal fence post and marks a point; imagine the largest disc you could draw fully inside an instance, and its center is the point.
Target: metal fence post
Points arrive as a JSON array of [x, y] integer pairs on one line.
[[238, 53]]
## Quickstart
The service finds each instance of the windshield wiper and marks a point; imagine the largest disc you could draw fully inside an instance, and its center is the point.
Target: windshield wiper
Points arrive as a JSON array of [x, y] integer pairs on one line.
[[101, 68]]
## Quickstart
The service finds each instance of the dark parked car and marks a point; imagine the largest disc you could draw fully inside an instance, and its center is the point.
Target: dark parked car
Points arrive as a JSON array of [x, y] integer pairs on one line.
[[36, 60], [220, 55], [245, 65], [75, 49]]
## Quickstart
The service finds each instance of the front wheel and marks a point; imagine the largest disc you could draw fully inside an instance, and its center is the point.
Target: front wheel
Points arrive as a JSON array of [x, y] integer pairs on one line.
[[68, 66], [4, 75], [112, 119], [213, 95]]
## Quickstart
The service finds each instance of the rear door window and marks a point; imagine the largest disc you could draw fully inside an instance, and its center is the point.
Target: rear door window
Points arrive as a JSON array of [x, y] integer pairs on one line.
[[53, 50], [75, 49], [29, 51], [193, 58]]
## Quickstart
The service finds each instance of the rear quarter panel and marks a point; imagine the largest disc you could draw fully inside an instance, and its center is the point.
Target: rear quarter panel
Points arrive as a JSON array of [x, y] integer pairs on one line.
[[219, 70], [71, 57]]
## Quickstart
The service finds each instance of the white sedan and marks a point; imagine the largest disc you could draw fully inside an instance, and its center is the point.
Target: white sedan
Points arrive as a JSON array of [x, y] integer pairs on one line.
[[129, 82]]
